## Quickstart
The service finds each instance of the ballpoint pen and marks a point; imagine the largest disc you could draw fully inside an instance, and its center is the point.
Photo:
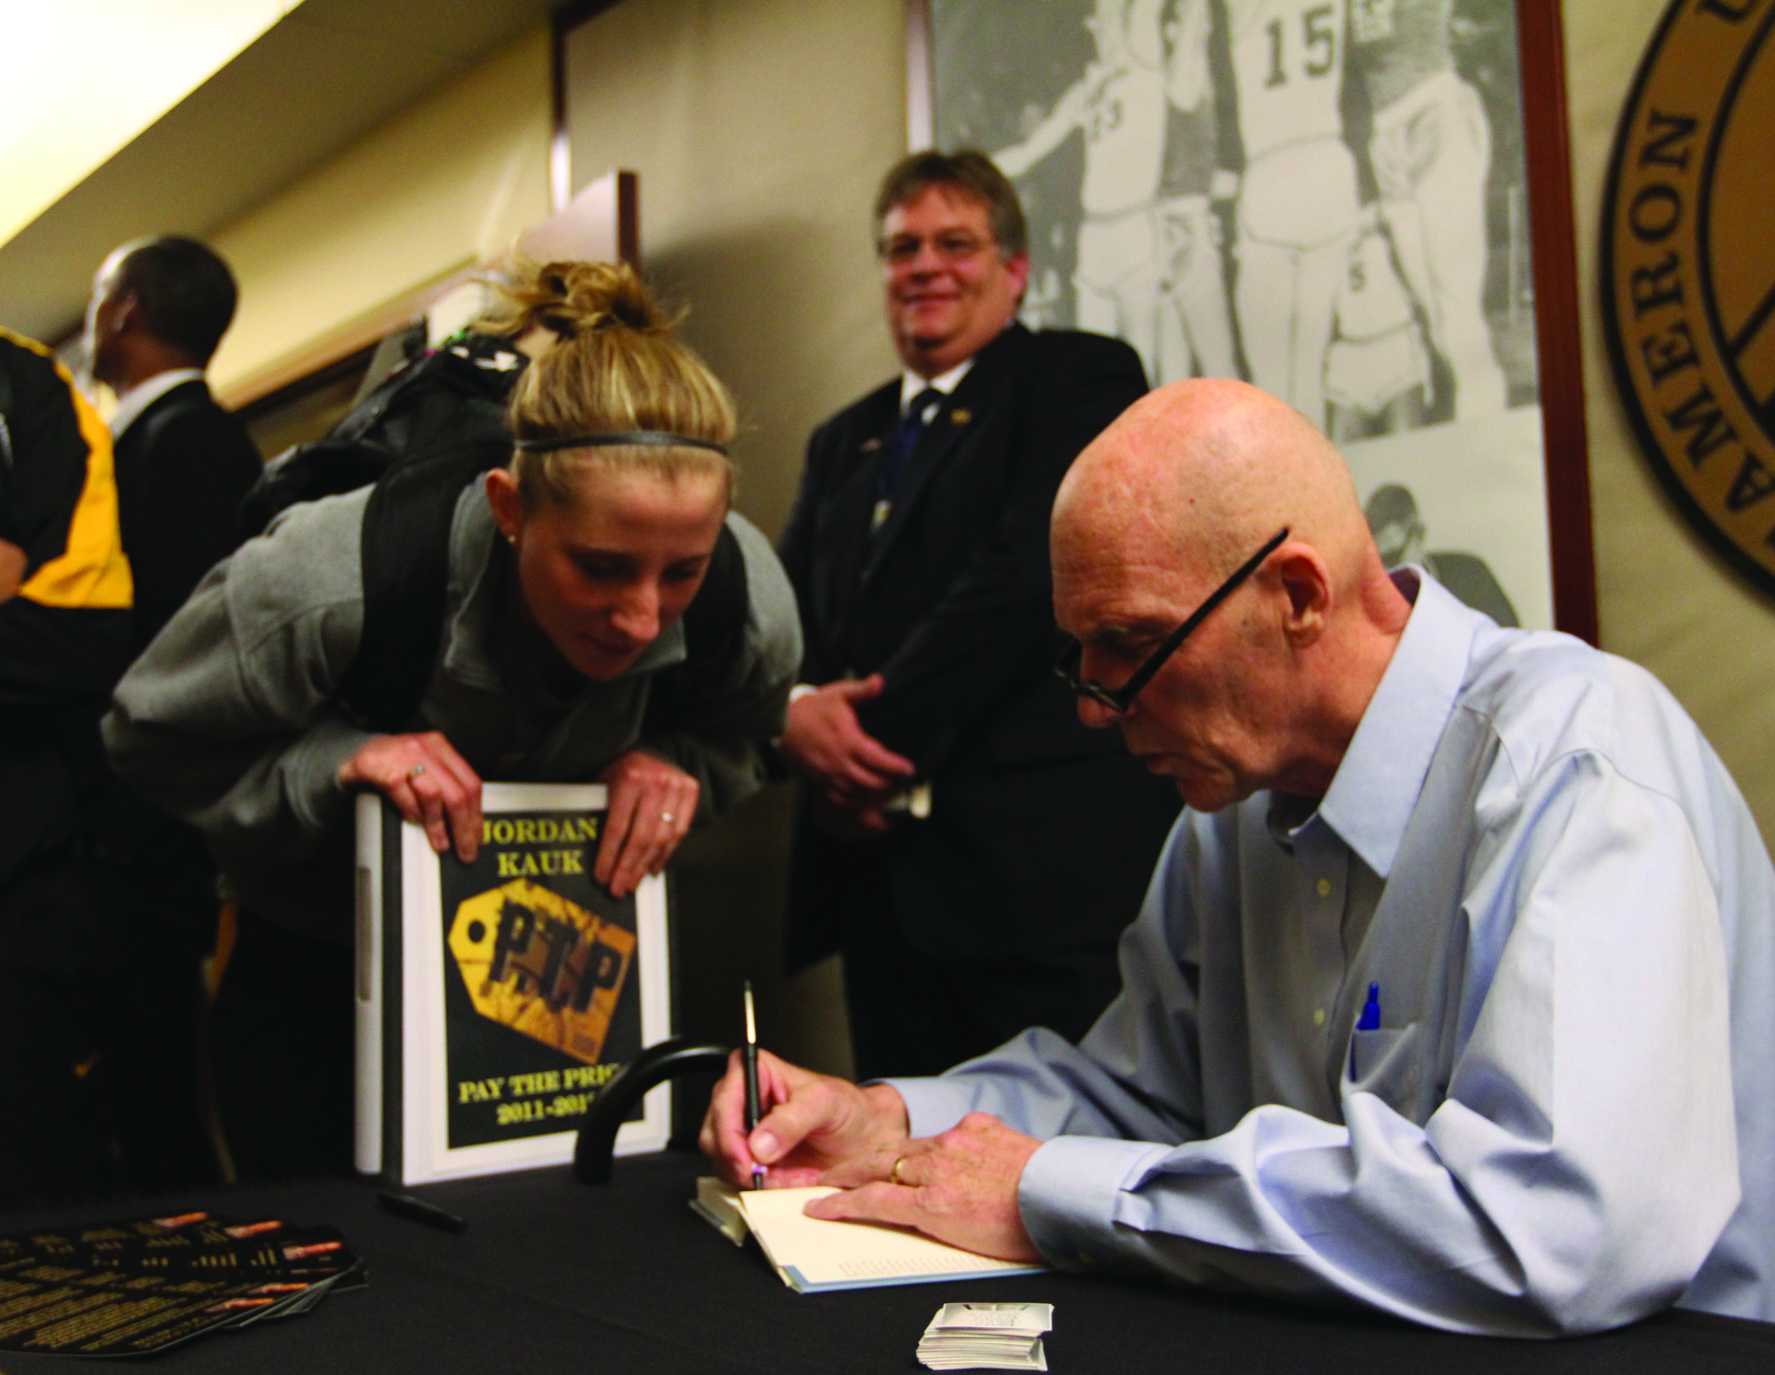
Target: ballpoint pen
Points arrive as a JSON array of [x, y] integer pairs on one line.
[[421, 1211], [750, 1057], [1369, 1020]]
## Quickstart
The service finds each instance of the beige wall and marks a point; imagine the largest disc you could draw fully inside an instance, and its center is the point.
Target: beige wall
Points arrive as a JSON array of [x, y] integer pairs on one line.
[[1665, 600], [759, 129], [449, 182]]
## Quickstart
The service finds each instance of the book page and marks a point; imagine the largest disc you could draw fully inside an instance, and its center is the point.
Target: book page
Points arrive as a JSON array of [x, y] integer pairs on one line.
[[718, 1204], [812, 1254]]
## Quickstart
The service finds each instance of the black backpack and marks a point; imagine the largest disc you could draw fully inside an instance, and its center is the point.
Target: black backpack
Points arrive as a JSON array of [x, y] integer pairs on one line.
[[426, 432], [454, 397]]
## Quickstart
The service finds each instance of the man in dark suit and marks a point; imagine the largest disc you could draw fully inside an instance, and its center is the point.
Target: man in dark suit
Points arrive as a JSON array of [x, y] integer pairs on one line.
[[971, 848], [158, 311]]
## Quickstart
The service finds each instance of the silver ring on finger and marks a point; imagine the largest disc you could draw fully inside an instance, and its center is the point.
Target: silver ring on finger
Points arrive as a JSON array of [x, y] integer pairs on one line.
[[415, 771]]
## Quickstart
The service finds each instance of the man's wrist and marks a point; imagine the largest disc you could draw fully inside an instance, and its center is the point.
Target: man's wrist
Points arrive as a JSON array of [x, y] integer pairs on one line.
[[889, 1110], [787, 757], [1068, 1191]]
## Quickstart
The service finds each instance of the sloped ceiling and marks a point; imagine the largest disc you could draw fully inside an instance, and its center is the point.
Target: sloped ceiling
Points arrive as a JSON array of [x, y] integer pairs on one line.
[[322, 76]]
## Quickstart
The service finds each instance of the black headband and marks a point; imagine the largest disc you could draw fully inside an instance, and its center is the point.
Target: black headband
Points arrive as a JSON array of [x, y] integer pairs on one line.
[[660, 439]]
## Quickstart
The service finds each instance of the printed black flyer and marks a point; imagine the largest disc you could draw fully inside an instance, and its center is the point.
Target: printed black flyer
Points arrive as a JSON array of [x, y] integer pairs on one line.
[[496, 998]]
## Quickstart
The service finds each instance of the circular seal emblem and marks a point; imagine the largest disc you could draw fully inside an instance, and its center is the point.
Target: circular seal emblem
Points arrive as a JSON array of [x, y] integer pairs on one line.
[[1689, 270]]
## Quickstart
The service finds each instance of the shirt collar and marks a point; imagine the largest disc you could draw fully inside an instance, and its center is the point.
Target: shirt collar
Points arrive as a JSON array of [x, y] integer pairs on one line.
[[144, 394], [1371, 798], [911, 384]]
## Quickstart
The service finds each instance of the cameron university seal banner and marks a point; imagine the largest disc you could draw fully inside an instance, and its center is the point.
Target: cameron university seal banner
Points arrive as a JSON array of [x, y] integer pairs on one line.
[[1689, 271]]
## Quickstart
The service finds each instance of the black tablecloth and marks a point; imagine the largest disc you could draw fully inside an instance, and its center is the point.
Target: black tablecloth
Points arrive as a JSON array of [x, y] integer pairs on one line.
[[555, 1277]]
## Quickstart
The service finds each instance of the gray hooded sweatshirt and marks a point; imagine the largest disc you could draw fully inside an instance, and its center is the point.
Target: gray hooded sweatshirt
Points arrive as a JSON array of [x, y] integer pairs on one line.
[[228, 718]]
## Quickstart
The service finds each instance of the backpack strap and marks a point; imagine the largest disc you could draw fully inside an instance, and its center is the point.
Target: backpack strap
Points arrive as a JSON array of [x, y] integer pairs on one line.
[[406, 573]]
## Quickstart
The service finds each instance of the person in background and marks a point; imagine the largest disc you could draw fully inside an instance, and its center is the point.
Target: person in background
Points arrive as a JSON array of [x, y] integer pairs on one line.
[[158, 311], [1431, 152], [1298, 208], [570, 571], [1196, 336], [1454, 991], [65, 636], [1398, 530], [972, 849], [1121, 106]]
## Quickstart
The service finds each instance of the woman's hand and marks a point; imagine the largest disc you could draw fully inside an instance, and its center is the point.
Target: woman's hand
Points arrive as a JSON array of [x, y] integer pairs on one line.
[[429, 782], [652, 804]]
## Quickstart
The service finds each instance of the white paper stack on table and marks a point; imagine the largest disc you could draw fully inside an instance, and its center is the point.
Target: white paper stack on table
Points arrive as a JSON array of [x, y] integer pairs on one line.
[[987, 1336]]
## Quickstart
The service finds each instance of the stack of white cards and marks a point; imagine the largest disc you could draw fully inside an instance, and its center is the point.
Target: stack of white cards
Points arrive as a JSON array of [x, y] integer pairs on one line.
[[987, 1336]]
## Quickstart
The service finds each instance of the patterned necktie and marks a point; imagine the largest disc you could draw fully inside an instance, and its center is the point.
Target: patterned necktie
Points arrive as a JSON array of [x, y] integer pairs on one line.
[[904, 439]]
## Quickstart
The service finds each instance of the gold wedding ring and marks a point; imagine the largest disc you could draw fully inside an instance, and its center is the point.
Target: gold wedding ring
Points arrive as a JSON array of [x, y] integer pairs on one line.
[[665, 816], [894, 1174]]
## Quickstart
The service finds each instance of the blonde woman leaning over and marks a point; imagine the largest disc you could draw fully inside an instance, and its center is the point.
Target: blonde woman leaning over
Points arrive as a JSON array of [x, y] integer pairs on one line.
[[569, 572]]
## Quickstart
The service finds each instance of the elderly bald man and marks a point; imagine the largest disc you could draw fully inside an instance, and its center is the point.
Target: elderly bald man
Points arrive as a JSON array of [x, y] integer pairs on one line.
[[1454, 990]]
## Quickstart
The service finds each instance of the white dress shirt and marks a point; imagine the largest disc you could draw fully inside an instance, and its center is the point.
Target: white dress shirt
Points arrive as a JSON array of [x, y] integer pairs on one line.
[[911, 384], [144, 394], [1565, 1119]]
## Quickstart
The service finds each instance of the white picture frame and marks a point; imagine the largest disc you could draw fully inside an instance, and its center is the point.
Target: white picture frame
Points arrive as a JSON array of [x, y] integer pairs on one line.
[[403, 1075]]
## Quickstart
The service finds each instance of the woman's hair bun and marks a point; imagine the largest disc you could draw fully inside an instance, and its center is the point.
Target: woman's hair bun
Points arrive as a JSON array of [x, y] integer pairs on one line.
[[572, 298], [615, 365]]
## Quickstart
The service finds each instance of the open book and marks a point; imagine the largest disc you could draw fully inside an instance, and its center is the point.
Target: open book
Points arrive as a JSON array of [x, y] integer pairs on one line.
[[812, 1255]]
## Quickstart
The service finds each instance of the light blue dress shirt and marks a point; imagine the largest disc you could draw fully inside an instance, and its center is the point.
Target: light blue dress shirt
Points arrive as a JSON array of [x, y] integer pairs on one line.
[[1566, 1118]]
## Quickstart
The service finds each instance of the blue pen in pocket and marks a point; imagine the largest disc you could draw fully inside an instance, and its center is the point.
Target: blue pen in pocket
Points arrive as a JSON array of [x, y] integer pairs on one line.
[[1370, 1020]]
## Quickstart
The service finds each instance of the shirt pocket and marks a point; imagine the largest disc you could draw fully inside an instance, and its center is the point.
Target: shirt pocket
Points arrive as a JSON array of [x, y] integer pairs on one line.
[[1387, 1063]]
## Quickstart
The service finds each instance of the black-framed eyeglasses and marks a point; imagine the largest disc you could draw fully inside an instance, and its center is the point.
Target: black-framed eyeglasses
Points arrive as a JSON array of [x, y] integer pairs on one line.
[[950, 247], [1120, 699]]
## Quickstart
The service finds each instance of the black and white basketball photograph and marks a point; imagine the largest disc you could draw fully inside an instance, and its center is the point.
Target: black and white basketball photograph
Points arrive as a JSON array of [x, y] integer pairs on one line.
[[1326, 198]]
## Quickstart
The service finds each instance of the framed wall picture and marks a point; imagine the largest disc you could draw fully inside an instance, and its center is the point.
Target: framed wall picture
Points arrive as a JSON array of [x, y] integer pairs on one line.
[[1361, 206]]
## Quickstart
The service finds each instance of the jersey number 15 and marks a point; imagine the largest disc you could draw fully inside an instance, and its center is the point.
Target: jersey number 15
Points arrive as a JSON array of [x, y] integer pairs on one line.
[[1318, 29]]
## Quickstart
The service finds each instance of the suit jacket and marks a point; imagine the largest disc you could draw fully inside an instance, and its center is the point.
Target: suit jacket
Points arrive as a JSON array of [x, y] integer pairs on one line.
[[182, 468], [1042, 832]]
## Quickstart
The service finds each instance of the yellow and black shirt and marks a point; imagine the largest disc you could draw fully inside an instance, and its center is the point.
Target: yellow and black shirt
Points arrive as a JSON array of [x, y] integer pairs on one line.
[[64, 634]]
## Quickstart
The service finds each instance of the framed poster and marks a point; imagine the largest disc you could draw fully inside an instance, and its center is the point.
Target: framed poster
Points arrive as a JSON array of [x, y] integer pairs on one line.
[[1361, 206], [494, 999]]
